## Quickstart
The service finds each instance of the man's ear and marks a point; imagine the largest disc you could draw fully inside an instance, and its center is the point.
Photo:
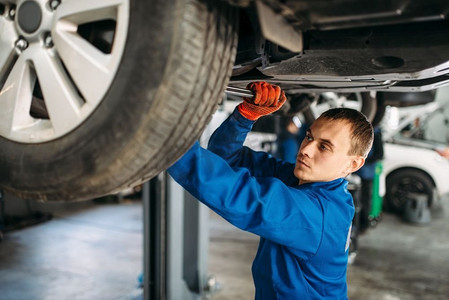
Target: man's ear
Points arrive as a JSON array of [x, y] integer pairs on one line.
[[356, 163]]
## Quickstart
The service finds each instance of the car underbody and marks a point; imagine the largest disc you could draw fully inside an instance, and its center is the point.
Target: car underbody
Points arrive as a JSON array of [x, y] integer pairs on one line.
[[344, 46]]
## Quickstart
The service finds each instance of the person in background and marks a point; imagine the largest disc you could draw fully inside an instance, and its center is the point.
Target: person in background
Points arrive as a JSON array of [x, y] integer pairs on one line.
[[367, 173], [289, 138]]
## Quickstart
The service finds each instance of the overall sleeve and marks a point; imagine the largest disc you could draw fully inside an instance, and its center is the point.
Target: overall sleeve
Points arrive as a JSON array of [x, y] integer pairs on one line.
[[263, 206], [227, 142]]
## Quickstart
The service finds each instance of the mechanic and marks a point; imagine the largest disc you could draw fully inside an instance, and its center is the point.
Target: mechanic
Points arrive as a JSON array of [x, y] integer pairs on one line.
[[367, 173], [302, 212], [289, 138]]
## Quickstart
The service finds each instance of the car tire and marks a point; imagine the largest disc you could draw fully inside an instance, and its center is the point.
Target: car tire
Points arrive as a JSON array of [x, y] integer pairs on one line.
[[403, 182], [369, 106], [175, 65]]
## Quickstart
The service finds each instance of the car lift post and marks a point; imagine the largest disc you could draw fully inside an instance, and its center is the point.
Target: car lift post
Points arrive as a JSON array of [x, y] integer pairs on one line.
[[175, 242], [154, 199]]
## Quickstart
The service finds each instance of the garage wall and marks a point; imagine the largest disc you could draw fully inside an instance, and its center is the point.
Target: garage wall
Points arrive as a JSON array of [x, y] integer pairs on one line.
[[438, 128]]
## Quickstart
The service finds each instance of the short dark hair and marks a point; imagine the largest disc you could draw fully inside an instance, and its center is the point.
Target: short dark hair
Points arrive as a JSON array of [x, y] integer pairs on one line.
[[362, 134]]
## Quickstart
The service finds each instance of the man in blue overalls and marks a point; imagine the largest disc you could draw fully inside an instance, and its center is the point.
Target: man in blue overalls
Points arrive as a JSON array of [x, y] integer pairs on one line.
[[302, 211]]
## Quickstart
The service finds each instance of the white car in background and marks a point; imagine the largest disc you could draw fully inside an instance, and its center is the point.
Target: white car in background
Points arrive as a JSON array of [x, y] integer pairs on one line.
[[412, 169], [413, 165]]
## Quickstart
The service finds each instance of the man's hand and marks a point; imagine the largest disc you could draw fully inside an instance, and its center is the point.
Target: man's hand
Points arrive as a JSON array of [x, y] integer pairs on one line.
[[267, 99]]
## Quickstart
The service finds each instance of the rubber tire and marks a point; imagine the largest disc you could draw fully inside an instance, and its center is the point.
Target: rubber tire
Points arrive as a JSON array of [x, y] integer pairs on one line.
[[369, 106], [380, 112], [416, 181], [176, 65]]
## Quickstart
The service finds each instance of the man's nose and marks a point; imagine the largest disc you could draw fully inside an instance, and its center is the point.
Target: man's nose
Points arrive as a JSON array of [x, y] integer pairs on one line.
[[306, 149]]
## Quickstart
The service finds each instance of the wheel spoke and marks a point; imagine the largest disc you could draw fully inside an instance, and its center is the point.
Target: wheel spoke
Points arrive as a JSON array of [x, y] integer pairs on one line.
[[61, 99], [91, 69], [15, 99], [88, 67], [83, 11]]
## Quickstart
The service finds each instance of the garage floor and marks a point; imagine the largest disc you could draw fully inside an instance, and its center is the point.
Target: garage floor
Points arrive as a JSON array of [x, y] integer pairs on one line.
[[87, 252], [95, 252]]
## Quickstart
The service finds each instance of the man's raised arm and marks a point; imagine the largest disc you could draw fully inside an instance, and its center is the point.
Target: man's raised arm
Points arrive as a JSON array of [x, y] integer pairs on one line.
[[227, 141]]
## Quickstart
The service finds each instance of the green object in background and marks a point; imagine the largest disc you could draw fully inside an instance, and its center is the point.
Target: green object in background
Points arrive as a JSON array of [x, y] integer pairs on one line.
[[376, 201]]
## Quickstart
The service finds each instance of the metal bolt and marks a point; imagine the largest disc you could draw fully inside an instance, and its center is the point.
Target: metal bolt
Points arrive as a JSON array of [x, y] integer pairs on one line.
[[12, 12], [54, 4], [48, 40], [21, 44]]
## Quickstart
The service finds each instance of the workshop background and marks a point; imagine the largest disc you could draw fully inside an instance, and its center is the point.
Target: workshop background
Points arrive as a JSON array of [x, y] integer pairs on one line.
[[95, 249]]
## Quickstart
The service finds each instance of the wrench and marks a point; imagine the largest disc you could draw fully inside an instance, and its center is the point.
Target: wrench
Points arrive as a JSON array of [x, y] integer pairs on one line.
[[234, 91]]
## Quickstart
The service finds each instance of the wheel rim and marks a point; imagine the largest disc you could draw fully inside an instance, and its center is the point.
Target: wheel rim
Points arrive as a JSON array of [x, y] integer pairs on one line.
[[401, 190], [57, 61]]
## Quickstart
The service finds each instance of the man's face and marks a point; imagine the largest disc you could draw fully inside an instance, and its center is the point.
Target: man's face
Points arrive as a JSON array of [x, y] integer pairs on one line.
[[323, 155]]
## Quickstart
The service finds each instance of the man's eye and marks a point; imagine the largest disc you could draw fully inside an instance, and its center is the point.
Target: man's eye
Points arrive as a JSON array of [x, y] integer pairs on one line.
[[309, 138], [323, 147]]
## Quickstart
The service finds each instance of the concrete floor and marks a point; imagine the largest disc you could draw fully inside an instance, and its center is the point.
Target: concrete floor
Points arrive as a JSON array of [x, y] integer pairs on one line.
[[87, 252], [95, 252]]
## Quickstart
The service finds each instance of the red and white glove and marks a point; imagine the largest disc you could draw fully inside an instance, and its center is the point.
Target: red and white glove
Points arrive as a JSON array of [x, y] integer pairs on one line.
[[268, 98]]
